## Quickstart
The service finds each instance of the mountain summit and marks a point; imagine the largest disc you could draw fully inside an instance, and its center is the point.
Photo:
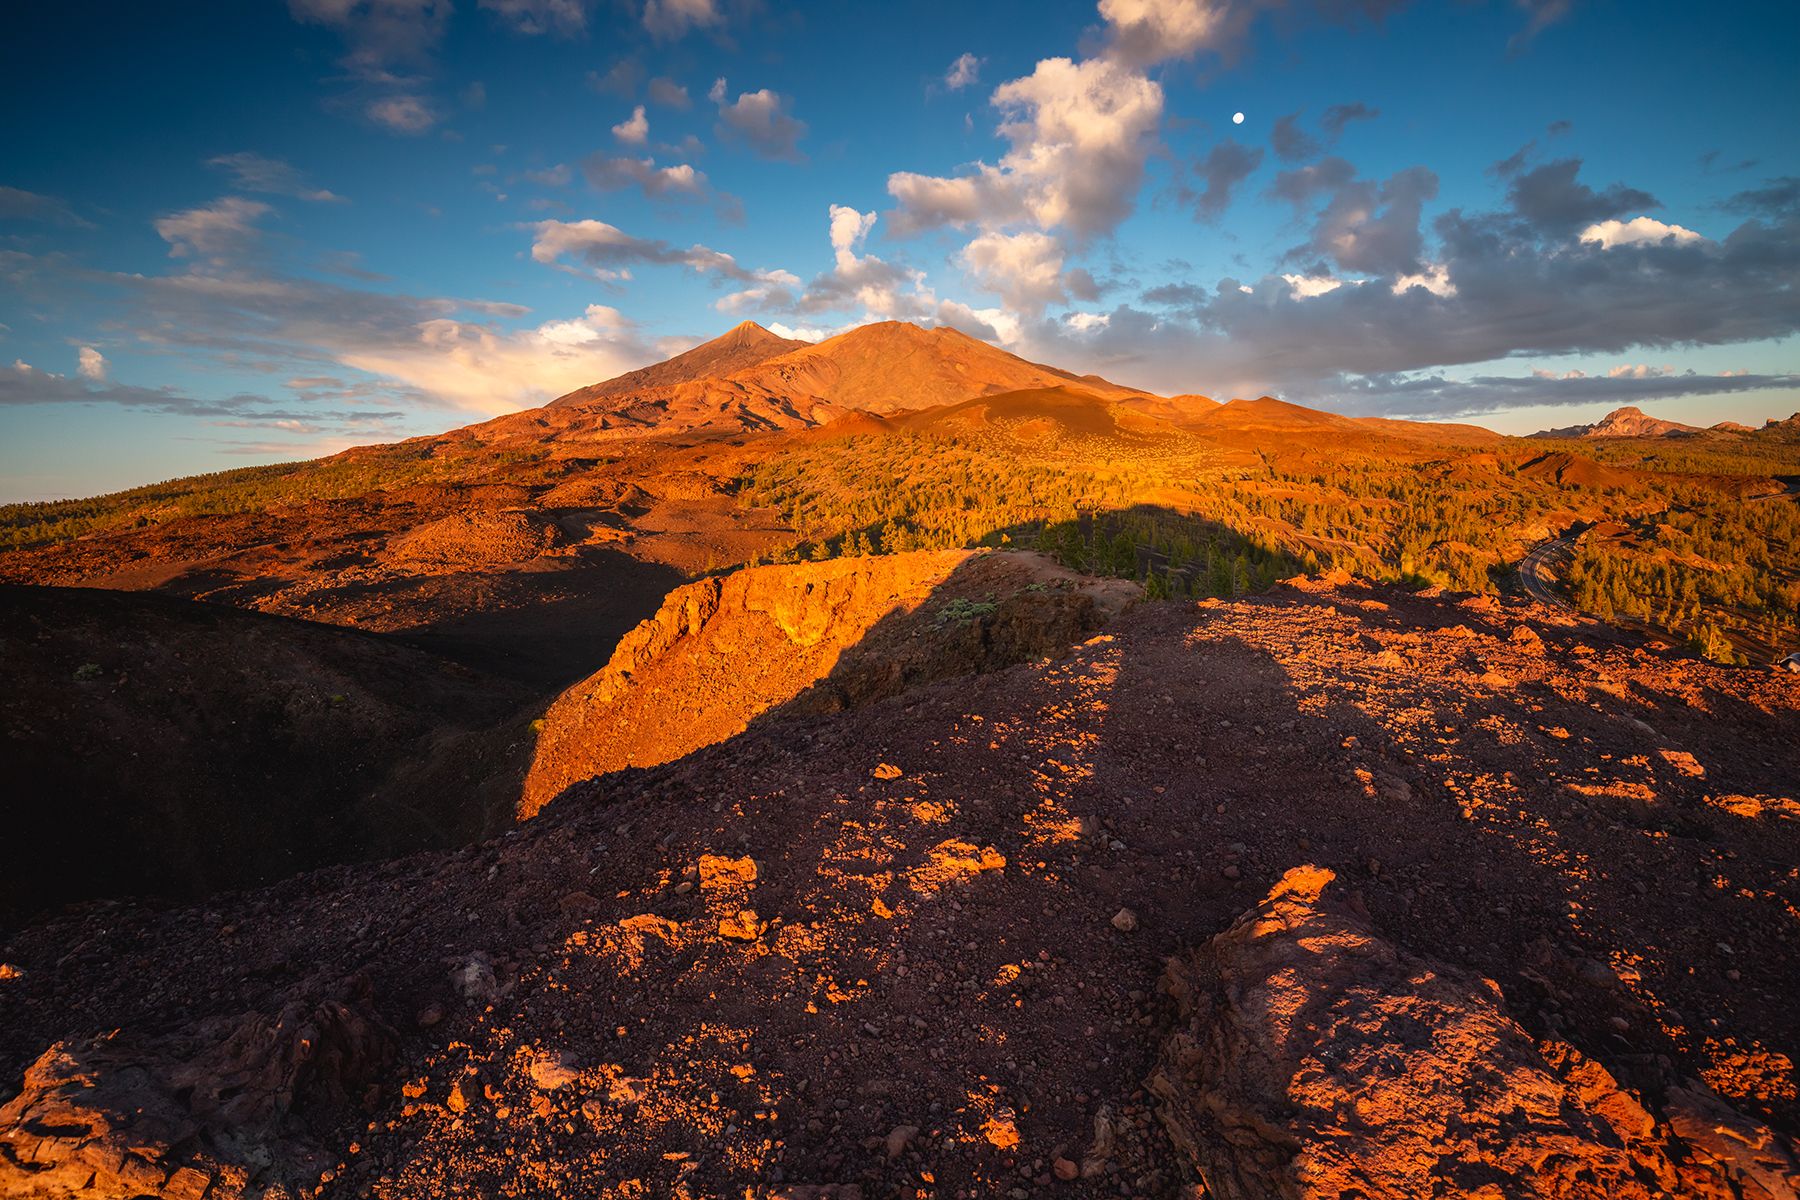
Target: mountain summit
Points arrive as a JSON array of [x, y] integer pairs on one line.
[[1624, 422], [750, 378], [743, 345]]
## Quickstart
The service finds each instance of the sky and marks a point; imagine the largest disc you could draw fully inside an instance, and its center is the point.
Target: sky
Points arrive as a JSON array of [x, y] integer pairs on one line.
[[262, 230]]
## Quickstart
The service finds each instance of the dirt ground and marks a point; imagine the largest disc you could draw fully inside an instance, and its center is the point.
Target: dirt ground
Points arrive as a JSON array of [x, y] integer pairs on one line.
[[887, 949]]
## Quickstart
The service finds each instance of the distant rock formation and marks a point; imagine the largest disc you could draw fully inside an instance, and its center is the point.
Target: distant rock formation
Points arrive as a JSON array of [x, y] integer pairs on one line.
[[1627, 422]]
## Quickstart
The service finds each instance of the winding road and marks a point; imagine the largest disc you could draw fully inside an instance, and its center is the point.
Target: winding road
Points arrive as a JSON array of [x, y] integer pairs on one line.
[[1542, 558]]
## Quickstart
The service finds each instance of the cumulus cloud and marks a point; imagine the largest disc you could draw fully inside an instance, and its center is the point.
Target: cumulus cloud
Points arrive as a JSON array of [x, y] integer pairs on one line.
[[1079, 135], [252, 172], [964, 71], [1610, 233], [1143, 33], [864, 284], [1225, 166], [1304, 287], [761, 120], [1340, 115], [669, 94], [1371, 227], [1025, 269], [564, 18], [1487, 287], [633, 130], [1555, 201], [220, 230], [1292, 143], [620, 79], [670, 19], [90, 364], [609, 174]]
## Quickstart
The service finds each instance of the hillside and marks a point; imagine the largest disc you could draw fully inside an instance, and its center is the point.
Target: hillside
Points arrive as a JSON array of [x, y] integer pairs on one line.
[[742, 346], [156, 746], [987, 934]]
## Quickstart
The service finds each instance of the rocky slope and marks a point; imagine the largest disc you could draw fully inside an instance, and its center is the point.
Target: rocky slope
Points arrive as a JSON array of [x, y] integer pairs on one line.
[[816, 637], [738, 348], [889, 366], [916, 948]]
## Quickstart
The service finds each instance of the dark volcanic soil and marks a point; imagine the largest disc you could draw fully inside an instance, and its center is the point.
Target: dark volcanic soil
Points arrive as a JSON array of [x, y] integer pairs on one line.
[[153, 745], [920, 983]]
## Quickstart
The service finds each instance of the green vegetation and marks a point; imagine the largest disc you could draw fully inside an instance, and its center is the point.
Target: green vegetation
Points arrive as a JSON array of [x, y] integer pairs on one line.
[[1178, 516]]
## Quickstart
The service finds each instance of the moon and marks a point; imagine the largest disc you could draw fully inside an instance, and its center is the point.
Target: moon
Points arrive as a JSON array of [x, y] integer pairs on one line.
[[1237, 118]]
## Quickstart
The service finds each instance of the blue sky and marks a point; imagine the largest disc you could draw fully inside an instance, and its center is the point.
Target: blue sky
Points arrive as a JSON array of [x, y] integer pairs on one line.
[[262, 230]]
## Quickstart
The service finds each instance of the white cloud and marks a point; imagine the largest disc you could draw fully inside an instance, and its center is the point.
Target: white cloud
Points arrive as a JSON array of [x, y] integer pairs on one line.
[[1079, 134], [91, 364], [213, 231], [848, 229], [670, 19], [963, 72], [1640, 371], [1635, 231], [1025, 269], [614, 174], [806, 333], [610, 251], [1145, 32], [761, 120], [1087, 322], [1305, 287], [479, 368], [635, 129], [1435, 278], [404, 113]]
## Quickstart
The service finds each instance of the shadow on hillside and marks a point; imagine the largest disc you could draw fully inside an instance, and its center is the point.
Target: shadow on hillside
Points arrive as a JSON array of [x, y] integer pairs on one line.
[[939, 860]]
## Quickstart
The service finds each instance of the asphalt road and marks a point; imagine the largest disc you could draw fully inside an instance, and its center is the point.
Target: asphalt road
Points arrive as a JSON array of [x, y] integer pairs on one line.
[[1534, 569]]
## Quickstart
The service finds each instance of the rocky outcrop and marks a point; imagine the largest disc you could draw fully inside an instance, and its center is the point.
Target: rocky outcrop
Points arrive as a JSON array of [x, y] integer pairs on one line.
[[1312, 1058], [1627, 422], [819, 636], [220, 1111]]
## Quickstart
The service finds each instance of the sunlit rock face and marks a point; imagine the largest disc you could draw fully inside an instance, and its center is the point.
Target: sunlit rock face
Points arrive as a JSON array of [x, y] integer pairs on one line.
[[824, 636], [1314, 1058]]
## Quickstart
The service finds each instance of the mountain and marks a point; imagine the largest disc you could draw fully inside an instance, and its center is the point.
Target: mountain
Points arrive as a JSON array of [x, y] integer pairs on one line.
[[893, 365], [1624, 422], [751, 380], [743, 346]]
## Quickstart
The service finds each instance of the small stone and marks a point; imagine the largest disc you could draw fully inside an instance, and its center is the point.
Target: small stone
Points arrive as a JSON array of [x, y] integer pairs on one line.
[[1125, 920], [555, 1070], [1619, 1023], [717, 871], [1065, 1170], [430, 1015], [899, 1140], [886, 771], [746, 926], [1231, 871]]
